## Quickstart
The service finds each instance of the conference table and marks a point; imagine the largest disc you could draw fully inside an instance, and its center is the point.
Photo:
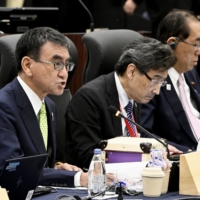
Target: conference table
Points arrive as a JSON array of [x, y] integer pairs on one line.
[[172, 194], [83, 193]]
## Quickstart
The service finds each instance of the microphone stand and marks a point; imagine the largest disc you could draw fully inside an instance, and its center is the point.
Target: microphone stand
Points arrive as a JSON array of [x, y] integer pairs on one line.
[[153, 136], [117, 113], [91, 18]]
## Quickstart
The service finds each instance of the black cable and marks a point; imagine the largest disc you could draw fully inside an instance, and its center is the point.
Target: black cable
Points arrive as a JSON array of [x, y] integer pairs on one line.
[[66, 197], [44, 190], [122, 188], [96, 195], [61, 196]]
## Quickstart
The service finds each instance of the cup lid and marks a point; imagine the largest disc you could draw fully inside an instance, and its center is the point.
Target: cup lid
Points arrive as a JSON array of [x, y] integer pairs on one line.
[[153, 172]]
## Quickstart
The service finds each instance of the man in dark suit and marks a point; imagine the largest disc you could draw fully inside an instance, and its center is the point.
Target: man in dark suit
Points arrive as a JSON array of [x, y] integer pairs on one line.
[[164, 115], [139, 74], [42, 59]]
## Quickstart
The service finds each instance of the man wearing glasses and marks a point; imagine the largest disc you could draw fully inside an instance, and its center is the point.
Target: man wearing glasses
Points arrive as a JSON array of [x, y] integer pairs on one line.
[[139, 74], [175, 113], [27, 115]]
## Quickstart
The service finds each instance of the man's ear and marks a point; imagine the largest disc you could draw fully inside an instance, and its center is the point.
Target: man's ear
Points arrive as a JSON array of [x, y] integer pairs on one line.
[[131, 69], [172, 42], [26, 65]]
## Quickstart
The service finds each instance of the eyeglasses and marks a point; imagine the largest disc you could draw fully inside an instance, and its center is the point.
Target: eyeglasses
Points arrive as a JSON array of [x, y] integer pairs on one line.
[[196, 46], [58, 65], [155, 82]]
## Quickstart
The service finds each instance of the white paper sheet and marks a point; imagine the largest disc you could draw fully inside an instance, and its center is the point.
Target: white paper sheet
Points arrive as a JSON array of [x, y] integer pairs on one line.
[[133, 169]]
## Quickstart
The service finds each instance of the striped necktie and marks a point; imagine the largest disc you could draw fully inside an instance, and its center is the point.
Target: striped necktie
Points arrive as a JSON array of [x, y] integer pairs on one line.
[[43, 124], [131, 131]]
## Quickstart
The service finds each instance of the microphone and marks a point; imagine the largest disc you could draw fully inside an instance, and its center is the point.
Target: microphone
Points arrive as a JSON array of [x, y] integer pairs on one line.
[[91, 18], [117, 113]]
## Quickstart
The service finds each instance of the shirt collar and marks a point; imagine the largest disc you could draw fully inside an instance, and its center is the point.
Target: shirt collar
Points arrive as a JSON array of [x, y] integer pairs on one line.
[[174, 75], [123, 98], [32, 96]]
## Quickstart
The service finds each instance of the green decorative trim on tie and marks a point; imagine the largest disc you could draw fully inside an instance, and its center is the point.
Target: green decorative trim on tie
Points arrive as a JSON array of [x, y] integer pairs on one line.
[[43, 124]]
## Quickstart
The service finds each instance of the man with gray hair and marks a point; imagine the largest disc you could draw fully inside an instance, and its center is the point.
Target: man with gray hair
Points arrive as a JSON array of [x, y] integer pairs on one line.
[[139, 73]]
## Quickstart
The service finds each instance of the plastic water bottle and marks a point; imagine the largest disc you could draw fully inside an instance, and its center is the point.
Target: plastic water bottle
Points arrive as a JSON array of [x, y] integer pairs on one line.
[[96, 175]]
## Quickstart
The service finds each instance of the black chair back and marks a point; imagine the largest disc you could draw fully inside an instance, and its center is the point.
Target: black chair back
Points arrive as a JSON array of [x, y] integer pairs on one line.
[[103, 50]]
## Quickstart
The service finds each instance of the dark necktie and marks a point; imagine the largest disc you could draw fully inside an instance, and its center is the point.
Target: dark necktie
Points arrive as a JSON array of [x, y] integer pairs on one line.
[[131, 129]]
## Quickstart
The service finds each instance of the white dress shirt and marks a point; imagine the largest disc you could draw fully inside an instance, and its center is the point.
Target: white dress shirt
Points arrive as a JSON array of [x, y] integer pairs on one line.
[[174, 75], [123, 101], [33, 98]]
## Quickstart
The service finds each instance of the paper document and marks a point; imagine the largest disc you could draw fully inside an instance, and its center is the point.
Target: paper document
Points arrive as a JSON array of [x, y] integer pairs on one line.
[[129, 173]]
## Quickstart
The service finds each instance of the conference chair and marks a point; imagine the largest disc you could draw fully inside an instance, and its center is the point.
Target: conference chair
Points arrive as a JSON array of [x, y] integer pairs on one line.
[[8, 72], [103, 49]]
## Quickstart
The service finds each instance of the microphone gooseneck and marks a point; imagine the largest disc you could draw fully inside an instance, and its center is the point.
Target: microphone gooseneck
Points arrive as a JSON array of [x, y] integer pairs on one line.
[[91, 18], [117, 113]]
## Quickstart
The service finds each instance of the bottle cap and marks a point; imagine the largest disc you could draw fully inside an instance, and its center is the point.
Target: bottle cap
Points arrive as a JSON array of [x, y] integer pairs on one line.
[[97, 151]]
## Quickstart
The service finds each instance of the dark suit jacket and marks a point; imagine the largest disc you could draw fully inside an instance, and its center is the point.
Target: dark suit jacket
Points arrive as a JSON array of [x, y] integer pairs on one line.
[[164, 115], [20, 134], [89, 121]]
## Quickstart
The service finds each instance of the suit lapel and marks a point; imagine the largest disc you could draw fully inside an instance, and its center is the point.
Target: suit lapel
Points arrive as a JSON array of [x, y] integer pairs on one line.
[[113, 100], [136, 112], [177, 108], [28, 117], [194, 91], [51, 133]]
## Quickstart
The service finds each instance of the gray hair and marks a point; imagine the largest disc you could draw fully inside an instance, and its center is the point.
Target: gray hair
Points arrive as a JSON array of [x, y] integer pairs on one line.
[[146, 54]]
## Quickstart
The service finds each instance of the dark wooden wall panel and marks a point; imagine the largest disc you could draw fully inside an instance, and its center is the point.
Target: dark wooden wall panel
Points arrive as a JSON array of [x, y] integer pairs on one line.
[[76, 80]]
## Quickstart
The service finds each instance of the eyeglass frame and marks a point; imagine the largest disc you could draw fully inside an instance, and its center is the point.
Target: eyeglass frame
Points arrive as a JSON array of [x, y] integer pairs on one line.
[[196, 46], [69, 66], [153, 81]]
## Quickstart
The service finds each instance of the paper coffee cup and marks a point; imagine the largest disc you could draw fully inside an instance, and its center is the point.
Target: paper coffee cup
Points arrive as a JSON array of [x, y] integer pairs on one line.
[[152, 181]]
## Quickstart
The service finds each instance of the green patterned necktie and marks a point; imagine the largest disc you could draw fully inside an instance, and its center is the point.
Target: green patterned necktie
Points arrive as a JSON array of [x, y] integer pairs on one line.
[[43, 124]]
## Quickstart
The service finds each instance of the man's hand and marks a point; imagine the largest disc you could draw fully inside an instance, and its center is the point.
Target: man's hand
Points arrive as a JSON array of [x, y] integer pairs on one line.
[[129, 7], [173, 150], [66, 166], [110, 178], [84, 179]]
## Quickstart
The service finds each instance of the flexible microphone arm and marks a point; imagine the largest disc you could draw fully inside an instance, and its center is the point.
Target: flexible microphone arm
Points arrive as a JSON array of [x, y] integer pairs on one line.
[[91, 18], [117, 113]]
